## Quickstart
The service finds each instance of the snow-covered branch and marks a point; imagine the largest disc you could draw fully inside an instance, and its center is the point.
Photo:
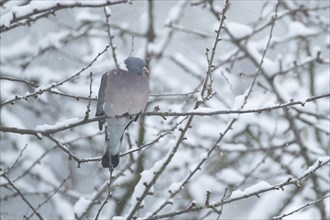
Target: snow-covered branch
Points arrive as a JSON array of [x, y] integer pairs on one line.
[[25, 15], [255, 190]]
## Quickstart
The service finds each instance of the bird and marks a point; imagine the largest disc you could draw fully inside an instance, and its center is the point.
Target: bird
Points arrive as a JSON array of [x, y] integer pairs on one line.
[[122, 97]]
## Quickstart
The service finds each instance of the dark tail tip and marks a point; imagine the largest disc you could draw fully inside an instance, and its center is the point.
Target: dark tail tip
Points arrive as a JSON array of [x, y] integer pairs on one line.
[[106, 160], [115, 160]]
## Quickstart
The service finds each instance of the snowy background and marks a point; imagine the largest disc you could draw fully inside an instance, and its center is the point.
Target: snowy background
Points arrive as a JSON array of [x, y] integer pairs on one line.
[[237, 126]]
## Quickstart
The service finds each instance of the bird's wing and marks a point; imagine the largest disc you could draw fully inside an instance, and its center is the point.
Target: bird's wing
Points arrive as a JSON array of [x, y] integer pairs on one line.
[[100, 99]]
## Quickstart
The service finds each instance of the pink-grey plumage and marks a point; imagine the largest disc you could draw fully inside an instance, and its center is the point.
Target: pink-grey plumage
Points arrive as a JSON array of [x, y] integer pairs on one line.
[[123, 95]]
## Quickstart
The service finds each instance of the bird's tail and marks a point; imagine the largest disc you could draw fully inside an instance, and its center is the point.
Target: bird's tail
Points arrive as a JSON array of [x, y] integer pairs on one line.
[[114, 134], [106, 160]]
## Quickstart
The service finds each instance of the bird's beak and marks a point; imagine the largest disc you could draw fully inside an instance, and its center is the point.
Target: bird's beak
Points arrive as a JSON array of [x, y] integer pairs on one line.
[[146, 70]]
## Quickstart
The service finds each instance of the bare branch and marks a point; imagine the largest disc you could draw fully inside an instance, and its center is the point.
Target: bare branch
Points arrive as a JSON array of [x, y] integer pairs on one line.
[[207, 80], [22, 196], [304, 206], [89, 96], [113, 47]]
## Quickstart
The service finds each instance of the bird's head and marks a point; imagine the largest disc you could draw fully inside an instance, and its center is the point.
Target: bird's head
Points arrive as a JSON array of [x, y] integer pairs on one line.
[[136, 65]]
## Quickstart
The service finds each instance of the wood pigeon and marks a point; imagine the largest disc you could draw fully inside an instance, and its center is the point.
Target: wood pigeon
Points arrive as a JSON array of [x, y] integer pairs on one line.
[[123, 95]]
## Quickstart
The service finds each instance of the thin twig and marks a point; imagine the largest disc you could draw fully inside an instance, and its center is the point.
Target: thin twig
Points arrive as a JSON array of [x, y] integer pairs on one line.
[[113, 47], [50, 195], [109, 194], [132, 46], [302, 207], [89, 96], [18, 158], [207, 80], [22, 196]]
